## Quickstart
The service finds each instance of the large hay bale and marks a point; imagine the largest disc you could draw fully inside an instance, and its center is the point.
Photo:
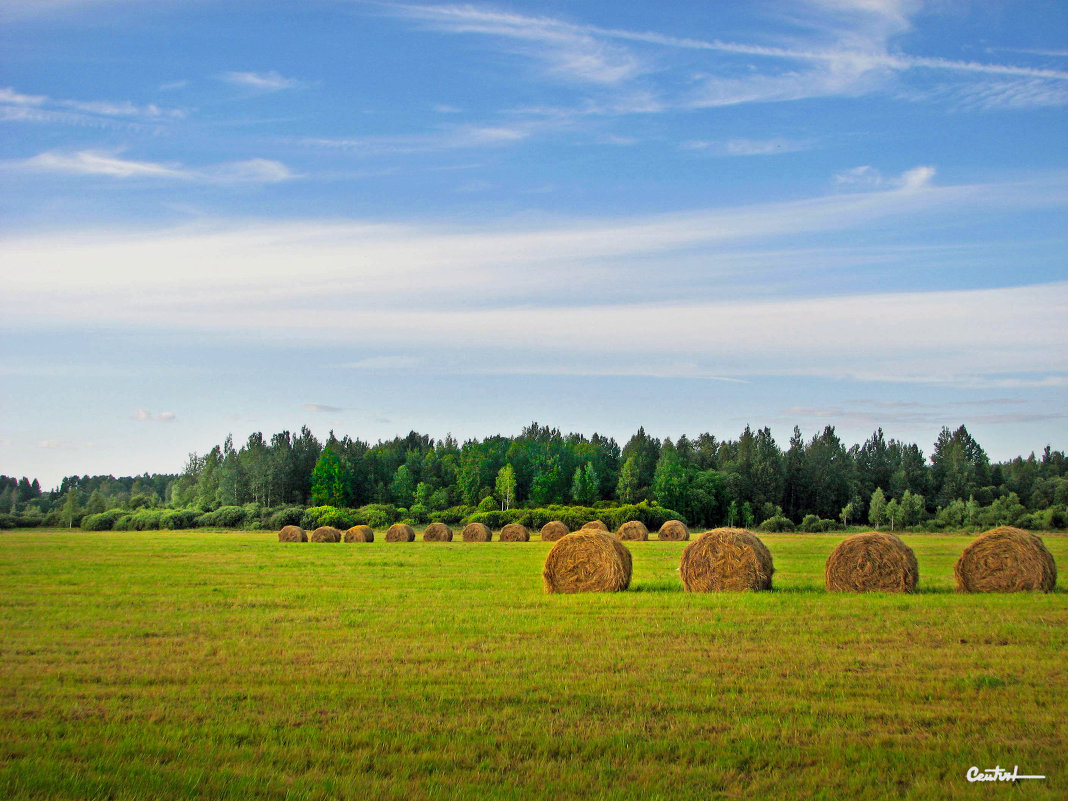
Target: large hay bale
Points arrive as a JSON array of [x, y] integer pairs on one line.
[[437, 532], [326, 534], [1006, 559], [360, 534], [476, 532], [400, 532], [588, 560], [554, 530], [872, 562], [633, 530], [292, 534], [674, 530], [726, 559], [515, 532], [597, 525]]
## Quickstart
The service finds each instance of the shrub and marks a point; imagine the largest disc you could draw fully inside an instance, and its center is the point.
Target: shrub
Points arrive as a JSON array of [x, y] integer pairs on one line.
[[223, 517], [104, 521], [320, 516], [488, 504], [1056, 517], [287, 516], [777, 524], [123, 523], [811, 523], [174, 519], [453, 515], [145, 520], [376, 515]]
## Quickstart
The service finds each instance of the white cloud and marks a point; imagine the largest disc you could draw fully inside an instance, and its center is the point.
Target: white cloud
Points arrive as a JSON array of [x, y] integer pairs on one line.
[[88, 162], [16, 106], [260, 81], [145, 416], [321, 408], [383, 363], [867, 178], [746, 147]]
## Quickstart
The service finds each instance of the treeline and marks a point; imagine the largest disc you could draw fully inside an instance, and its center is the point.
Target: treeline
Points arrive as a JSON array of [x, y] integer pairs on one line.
[[816, 484]]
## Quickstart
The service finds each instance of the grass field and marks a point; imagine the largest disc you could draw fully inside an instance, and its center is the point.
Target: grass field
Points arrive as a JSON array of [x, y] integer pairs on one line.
[[229, 666]]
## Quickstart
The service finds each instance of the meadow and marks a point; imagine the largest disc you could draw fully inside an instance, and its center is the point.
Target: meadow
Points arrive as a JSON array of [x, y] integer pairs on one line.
[[226, 665]]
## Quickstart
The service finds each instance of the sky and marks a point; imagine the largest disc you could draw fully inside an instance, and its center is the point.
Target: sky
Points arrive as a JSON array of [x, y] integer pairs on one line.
[[373, 217]]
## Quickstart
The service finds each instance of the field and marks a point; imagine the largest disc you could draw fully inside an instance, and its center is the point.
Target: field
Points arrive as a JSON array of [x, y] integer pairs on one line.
[[229, 666]]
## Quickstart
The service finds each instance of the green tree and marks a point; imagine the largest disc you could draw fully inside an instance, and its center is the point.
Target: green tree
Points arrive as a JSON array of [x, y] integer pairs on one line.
[[328, 480], [627, 488], [506, 486], [847, 513], [96, 503], [877, 508], [402, 488], [912, 509], [893, 512], [585, 485], [70, 507], [732, 514], [670, 484]]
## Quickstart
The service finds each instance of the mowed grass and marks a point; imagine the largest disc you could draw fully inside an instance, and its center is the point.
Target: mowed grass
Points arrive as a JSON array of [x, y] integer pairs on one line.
[[230, 666]]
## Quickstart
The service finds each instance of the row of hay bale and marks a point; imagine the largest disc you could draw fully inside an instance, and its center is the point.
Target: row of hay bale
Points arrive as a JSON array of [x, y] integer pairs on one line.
[[477, 532], [1004, 559]]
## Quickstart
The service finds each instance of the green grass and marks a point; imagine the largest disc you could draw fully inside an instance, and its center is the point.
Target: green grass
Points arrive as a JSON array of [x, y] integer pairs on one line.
[[229, 666]]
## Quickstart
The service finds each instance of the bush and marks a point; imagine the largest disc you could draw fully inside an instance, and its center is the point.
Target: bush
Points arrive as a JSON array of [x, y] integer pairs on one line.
[[1056, 517], [287, 516], [145, 520], [223, 517], [174, 519], [316, 516], [496, 519], [452, 516], [488, 504], [122, 523], [376, 515], [778, 524], [105, 521], [811, 523]]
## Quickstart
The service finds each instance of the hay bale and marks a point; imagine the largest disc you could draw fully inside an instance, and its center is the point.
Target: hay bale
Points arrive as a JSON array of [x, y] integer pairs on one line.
[[437, 532], [292, 534], [674, 530], [554, 530], [726, 559], [515, 532], [597, 525], [400, 532], [326, 534], [360, 534], [633, 530], [476, 532], [1006, 559], [872, 562], [588, 560]]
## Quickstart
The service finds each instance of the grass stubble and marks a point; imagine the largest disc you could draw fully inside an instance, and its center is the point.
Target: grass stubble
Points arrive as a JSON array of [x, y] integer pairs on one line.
[[226, 665]]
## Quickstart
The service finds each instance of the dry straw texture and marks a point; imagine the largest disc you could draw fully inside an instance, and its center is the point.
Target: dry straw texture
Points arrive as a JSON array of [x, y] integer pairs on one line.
[[326, 534], [553, 530], [400, 532], [515, 532], [292, 534], [1006, 559], [477, 532], [674, 530], [597, 525], [726, 559], [872, 562], [587, 561], [437, 532], [633, 530], [360, 534]]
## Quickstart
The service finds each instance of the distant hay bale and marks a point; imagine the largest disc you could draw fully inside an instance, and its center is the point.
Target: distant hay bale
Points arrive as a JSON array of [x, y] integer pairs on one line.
[[633, 530], [360, 534], [674, 530], [588, 560], [726, 559], [437, 532], [476, 532], [326, 534], [1006, 559], [292, 534], [515, 532], [554, 530], [597, 525], [872, 562], [400, 532]]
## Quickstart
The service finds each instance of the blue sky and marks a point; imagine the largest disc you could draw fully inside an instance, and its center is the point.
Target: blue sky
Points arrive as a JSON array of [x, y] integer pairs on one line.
[[370, 216]]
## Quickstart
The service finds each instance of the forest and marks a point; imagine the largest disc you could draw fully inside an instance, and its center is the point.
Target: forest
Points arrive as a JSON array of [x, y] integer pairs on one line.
[[816, 484]]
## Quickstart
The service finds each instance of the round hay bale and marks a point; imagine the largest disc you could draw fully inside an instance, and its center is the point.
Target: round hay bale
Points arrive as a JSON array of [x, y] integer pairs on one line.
[[633, 530], [588, 560], [726, 559], [360, 534], [476, 532], [597, 525], [437, 532], [400, 532], [554, 530], [292, 534], [674, 530], [515, 532], [872, 562], [326, 534], [1006, 559]]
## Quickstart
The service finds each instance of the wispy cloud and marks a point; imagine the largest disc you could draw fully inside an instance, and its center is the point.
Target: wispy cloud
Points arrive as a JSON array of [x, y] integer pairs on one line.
[[867, 178], [145, 416], [456, 137], [321, 408], [94, 163], [383, 363], [260, 81], [747, 147], [18, 106]]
